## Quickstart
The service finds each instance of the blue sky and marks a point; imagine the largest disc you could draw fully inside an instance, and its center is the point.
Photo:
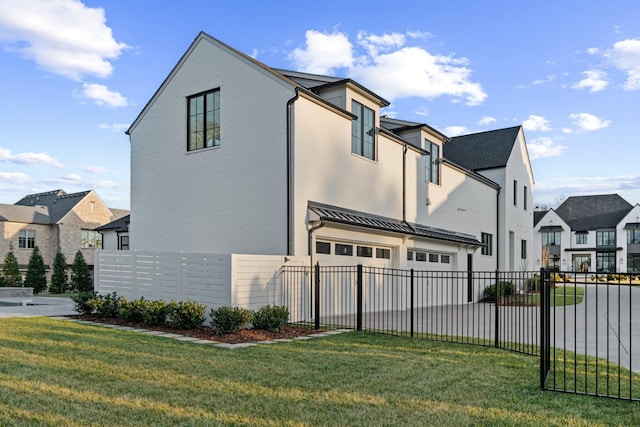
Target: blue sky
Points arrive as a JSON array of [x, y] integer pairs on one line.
[[74, 75]]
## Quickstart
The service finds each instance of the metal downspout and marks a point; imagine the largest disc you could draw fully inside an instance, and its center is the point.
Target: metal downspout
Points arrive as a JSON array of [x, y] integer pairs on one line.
[[290, 137], [498, 229], [310, 238]]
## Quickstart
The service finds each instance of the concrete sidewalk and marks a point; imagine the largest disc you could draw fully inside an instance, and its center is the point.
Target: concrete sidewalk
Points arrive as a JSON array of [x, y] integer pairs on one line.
[[36, 306]]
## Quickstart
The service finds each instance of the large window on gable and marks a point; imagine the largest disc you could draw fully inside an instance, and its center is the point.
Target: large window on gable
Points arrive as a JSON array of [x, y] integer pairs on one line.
[[432, 162], [26, 239], [363, 141], [203, 120]]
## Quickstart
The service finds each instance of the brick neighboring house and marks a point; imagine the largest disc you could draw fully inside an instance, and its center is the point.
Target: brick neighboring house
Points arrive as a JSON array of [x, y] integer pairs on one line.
[[54, 221]]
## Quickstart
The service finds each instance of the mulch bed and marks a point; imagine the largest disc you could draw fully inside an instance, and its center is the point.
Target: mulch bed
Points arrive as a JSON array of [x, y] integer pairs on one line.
[[206, 333]]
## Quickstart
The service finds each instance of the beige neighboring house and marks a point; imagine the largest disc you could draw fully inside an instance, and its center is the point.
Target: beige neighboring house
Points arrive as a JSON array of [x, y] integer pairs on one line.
[[54, 221]]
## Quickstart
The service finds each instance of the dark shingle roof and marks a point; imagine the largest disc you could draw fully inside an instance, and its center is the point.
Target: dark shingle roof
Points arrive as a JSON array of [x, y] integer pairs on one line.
[[537, 216], [362, 219], [120, 224], [58, 202], [484, 150], [584, 213], [25, 214]]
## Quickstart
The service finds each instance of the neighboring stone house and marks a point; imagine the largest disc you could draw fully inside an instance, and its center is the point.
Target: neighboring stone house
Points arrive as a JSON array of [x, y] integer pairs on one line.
[[589, 234], [232, 156], [54, 221]]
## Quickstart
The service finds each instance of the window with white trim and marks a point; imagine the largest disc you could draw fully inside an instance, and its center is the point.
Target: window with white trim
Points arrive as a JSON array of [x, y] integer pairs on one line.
[[26, 239]]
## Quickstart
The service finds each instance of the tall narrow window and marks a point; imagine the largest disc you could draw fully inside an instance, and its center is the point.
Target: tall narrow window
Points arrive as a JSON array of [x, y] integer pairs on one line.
[[432, 162], [487, 242], [523, 249], [363, 140], [26, 239], [204, 120], [524, 198], [515, 193]]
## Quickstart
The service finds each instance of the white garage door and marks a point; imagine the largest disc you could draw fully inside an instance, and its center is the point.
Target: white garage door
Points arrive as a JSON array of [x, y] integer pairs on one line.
[[345, 253], [425, 260]]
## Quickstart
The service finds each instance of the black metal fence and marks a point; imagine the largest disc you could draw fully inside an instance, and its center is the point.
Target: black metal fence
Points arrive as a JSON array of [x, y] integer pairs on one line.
[[484, 308], [590, 343], [582, 325]]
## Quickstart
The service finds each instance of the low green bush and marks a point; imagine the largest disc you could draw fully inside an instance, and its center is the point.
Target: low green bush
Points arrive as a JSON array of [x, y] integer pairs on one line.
[[187, 314], [506, 289], [271, 318], [132, 311], [155, 312], [81, 300], [105, 305], [228, 320]]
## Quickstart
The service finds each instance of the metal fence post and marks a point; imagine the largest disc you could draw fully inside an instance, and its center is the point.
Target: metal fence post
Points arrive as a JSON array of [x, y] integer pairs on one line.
[[497, 326], [412, 301], [545, 331], [316, 295], [359, 298]]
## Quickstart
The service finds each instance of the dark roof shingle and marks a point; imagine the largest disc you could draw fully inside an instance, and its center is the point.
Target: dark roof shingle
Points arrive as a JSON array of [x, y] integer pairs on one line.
[[484, 150], [584, 213]]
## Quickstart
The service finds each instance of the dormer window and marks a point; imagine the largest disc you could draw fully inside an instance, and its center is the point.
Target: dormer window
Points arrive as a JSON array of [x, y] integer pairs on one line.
[[432, 162], [363, 135]]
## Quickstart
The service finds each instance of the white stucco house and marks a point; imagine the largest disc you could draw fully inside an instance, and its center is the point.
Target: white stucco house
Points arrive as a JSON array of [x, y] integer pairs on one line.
[[232, 156], [599, 233]]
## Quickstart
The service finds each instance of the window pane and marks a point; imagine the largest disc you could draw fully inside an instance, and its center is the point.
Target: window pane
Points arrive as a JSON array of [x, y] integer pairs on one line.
[[365, 251], [383, 253], [445, 259], [323, 247], [433, 257], [421, 256], [346, 250], [409, 255]]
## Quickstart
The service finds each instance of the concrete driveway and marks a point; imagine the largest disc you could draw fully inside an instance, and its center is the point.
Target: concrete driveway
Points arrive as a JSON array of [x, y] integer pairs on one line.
[[36, 306]]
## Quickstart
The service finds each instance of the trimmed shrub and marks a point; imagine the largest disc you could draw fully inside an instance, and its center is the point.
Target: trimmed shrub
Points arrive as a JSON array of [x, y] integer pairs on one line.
[[36, 277], [105, 305], [80, 274], [11, 276], [271, 318], [132, 311], [506, 289], [187, 314], [155, 312], [81, 300], [228, 320], [59, 280]]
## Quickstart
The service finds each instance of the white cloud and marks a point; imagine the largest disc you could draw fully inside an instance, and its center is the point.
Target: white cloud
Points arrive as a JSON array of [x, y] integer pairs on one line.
[[323, 53], [625, 55], [392, 69], [69, 179], [594, 80], [65, 37], [31, 159], [15, 178], [544, 147], [536, 123], [114, 127], [588, 185], [486, 120], [105, 184], [588, 122], [452, 131], [102, 96], [95, 169]]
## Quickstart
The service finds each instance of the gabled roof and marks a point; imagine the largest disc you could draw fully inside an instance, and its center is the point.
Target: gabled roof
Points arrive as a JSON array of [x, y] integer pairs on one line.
[[483, 150], [397, 125], [120, 224], [584, 213], [25, 214], [537, 216], [362, 219], [58, 202]]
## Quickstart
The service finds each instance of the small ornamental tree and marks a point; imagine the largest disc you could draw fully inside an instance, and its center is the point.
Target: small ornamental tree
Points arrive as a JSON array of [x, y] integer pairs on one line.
[[10, 271], [80, 275], [59, 281], [36, 277]]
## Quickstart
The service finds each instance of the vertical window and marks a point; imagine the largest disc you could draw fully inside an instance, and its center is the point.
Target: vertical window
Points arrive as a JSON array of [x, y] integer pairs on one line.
[[523, 249], [26, 239], [633, 236], [91, 239], [487, 242], [515, 193], [409, 255], [581, 238], [605, 238], [551, 238], [204, 120], [524, 197], [363, 131], [605, 262], [432, 162], [124, 243]]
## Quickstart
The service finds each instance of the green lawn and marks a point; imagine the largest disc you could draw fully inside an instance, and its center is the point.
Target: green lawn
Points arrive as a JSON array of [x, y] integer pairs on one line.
[[560, 296], [55, 372]]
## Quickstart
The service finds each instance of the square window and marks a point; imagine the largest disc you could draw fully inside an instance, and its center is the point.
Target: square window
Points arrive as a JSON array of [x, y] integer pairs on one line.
[[433, 257], [91, 239], [345, 250], [323, 247], [445, 259], [365, 251], [421, 256], [383, 253]]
